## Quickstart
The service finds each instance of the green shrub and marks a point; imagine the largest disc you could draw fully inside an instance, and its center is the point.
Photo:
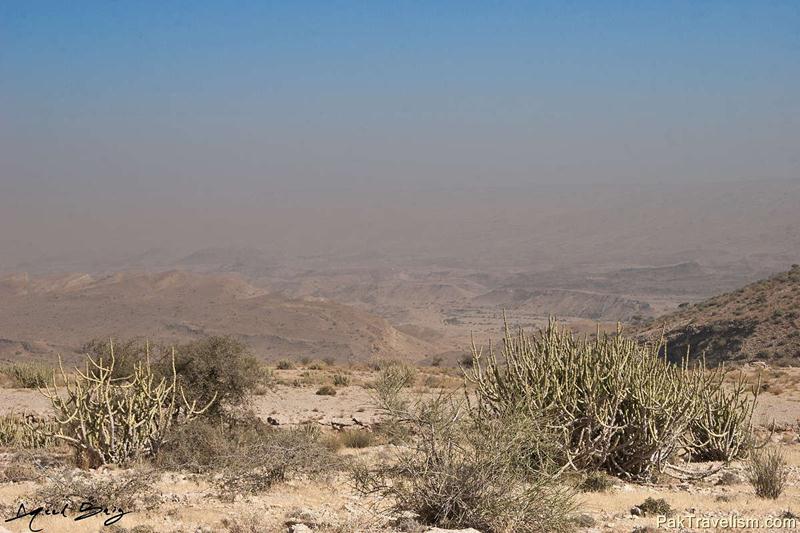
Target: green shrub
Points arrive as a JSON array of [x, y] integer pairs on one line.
[[619, 406], [768, 472], [216, 367], [656, 507], [28, 375]]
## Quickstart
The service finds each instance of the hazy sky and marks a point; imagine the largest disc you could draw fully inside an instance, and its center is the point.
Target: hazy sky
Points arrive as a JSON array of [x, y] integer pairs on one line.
[[201, 108]]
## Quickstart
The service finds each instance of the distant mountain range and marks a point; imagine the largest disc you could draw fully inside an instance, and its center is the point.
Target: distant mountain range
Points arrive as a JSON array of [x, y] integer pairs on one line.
[[40, 316]]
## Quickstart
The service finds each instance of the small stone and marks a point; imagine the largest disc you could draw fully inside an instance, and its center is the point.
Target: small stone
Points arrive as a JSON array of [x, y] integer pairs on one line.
[[585, 520], [636, 511], [299, 528]]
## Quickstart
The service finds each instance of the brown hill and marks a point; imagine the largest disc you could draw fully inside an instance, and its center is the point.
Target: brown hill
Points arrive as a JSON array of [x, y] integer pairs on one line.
[[42, 315], [760, 321], [565, 303]]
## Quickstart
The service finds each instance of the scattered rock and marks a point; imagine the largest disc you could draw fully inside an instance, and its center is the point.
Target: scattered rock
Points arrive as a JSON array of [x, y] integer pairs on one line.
[[305, 518], [585, 520], [299, 528], [729, 478]]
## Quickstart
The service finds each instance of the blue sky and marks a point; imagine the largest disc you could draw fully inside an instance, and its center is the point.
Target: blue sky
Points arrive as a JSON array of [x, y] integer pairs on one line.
[[145, 100]]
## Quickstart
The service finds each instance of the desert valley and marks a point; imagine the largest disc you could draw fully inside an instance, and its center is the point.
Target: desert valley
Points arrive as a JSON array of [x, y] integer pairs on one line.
[[327, 333], [399, 267]]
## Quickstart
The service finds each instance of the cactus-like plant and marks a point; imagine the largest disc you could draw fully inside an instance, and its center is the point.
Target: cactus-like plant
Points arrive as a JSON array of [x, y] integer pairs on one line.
[[723, 430], [110, 419], [26, 431], [618, 405], [27, 375]]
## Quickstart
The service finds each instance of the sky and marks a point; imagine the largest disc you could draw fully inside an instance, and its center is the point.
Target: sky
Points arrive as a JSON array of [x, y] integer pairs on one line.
[[113, 112]]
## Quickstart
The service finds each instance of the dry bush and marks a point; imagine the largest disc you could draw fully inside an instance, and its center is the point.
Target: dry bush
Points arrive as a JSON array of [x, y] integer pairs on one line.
[[247, 524], [28, 375], [326, 390], [265, 380], [392, 378], [341, 380], [461, 471], [31, 465], [379, 365], [727, 479], [130, 490], [596, 482], [141, 528], [284, 364], [619, 405], [17, 472], [356, 438], [768, 472], [249, 455]]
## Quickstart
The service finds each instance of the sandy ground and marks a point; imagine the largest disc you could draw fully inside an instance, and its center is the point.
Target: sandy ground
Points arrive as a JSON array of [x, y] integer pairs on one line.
[[190, 503], [297, 404]]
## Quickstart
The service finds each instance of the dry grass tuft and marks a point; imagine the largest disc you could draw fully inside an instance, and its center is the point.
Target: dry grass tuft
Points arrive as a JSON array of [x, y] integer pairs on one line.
[[768, 472]]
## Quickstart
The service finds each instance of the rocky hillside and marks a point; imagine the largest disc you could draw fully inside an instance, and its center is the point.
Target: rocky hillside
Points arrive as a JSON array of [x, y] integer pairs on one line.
[[760, 321], [43, 315]]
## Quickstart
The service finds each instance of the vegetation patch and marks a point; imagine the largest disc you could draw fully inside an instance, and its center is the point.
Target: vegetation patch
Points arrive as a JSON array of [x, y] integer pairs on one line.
[[768, 472], [618, 405], [28, 375], [460, 471]]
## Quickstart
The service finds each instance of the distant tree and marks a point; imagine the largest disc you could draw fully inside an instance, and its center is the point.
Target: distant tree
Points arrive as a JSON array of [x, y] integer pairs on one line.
[[126, 354], [216, 365]]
